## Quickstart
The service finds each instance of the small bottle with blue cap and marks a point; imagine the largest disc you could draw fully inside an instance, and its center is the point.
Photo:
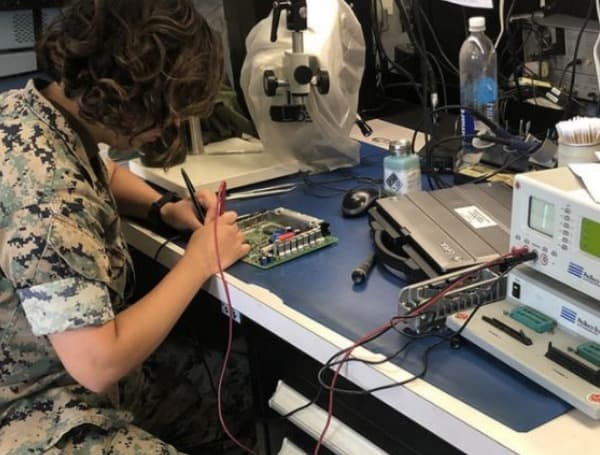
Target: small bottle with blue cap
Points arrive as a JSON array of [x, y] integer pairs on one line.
[[401, 169]]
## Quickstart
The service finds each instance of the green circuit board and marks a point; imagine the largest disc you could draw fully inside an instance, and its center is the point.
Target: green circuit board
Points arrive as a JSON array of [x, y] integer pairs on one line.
[[281, 235]]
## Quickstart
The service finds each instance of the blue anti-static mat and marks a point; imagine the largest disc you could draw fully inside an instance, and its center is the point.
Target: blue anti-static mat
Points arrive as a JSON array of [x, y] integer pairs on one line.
[[319, 286]]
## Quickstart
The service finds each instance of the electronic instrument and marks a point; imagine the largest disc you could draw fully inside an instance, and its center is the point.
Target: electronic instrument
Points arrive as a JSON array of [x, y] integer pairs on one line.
[[548, 325]]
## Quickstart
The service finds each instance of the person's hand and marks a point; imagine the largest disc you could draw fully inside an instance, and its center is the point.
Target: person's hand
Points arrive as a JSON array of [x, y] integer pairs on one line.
[[182, 216], [231, 243]]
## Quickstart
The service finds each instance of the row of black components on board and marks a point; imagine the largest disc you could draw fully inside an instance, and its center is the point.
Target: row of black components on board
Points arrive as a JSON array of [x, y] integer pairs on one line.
[[280, 235]]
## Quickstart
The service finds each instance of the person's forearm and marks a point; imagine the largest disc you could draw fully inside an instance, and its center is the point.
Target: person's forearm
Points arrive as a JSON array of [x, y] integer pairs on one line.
[[141, 328], [133, 195], [97, 357]]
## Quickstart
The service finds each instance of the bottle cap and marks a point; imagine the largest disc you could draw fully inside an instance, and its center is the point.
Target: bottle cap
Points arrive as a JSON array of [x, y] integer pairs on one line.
[[401, 147], [477, 24]]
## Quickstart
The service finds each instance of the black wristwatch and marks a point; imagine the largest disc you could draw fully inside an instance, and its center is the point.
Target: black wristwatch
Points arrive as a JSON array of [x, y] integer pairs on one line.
[[154, 218]]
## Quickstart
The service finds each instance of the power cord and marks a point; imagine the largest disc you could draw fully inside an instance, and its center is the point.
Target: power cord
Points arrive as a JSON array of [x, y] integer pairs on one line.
[[597, 48], [162, 246], [402, 349], [330, 362], [588, 16], [315, 186]]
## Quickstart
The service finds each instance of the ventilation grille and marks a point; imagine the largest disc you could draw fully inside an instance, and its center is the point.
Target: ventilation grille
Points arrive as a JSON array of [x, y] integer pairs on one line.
[[23, 27]]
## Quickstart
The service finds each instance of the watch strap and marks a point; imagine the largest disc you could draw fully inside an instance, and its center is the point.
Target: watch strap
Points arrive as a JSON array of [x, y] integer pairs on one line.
[[154, 218]]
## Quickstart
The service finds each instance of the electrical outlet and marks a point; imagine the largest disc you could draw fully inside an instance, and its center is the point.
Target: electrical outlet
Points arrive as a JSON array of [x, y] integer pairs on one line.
[[237, 317]]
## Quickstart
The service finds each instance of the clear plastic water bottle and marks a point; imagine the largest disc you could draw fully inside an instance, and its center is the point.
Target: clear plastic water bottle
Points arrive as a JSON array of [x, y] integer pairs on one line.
[[401, 169], [478, 82]]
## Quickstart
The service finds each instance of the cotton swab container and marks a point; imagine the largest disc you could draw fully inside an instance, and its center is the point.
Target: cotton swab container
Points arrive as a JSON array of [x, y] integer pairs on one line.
[[578, 140], [577, 153]]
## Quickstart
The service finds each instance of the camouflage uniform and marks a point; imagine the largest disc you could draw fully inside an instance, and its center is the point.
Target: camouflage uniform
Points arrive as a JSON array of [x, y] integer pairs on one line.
[[64, 265]]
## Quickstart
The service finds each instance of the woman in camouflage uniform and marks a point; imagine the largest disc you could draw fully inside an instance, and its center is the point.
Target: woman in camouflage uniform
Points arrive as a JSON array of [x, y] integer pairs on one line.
[[125, 73]]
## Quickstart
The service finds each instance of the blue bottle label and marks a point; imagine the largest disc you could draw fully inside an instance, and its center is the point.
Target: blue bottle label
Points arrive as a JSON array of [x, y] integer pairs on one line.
[[486, 91], [467, 123]]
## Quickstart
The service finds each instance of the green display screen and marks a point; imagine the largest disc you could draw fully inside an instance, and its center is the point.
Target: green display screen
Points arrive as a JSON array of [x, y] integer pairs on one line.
[[590, 237]]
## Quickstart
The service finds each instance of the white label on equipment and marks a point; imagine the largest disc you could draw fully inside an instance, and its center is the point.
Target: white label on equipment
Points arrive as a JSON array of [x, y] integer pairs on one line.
[[474, 3], [475, 217]]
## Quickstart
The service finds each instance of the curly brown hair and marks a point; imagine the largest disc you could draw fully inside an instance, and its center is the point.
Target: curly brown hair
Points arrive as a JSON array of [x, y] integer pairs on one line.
[[134, 65]]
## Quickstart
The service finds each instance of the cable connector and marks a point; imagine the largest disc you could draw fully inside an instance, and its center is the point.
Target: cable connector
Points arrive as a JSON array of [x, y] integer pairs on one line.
[[519, 256], [557, 96], [518, 251]]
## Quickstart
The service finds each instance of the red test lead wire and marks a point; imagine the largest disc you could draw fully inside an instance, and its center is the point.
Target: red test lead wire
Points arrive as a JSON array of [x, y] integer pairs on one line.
[[221, 194]]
